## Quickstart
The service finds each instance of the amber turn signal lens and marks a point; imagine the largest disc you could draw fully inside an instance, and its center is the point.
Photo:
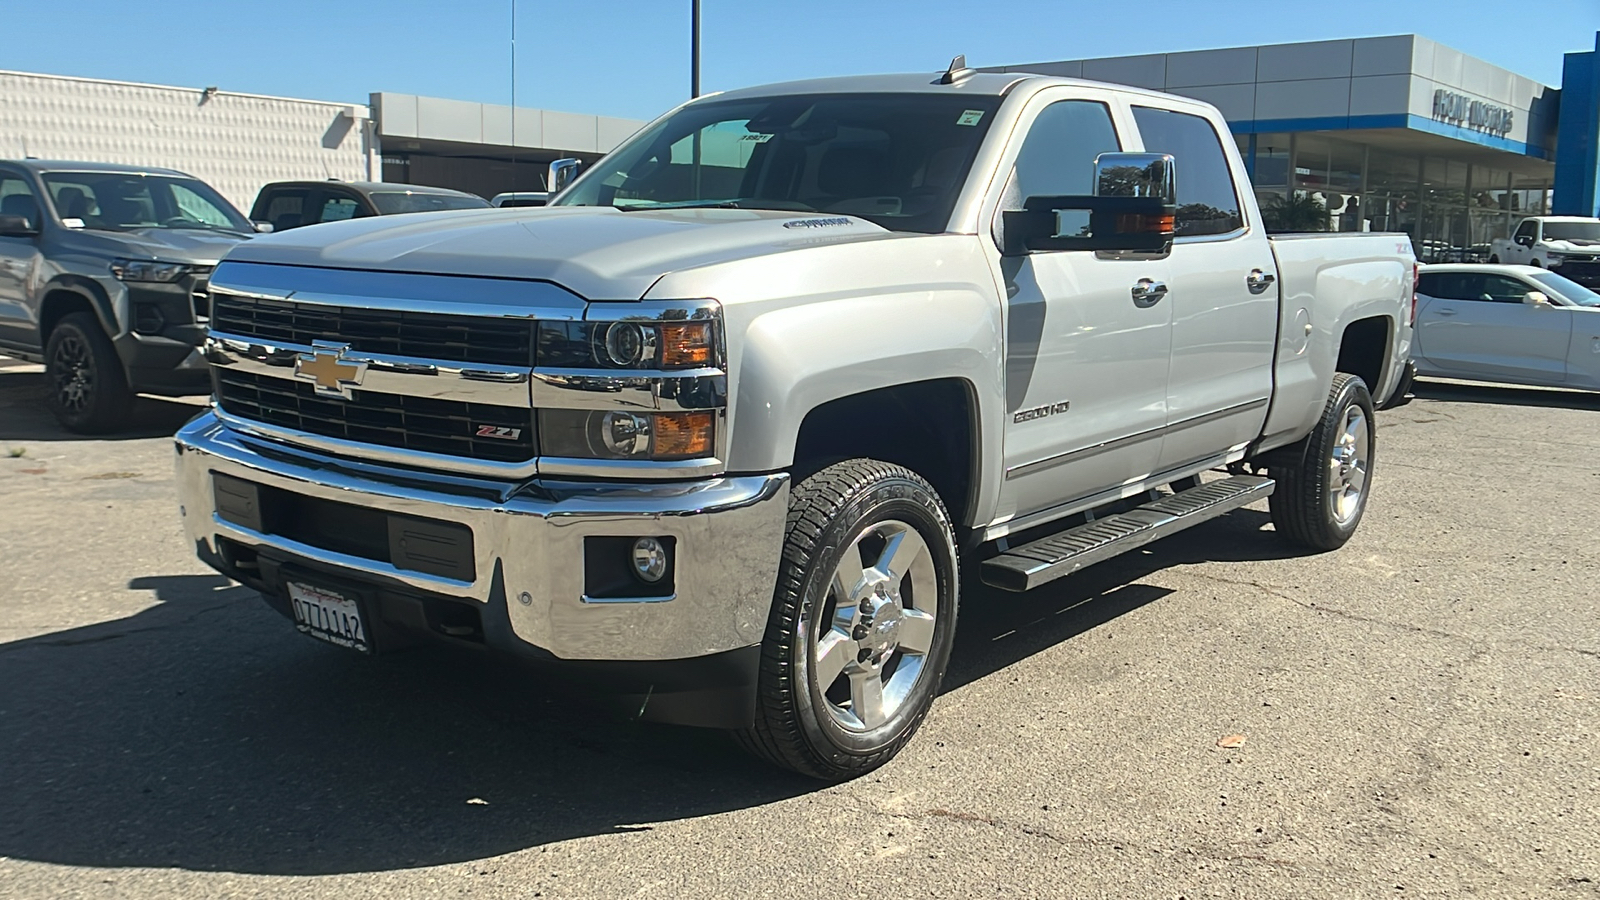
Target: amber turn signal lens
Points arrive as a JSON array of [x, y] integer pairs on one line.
[[685, 344], [682, 435], [1138, 223]]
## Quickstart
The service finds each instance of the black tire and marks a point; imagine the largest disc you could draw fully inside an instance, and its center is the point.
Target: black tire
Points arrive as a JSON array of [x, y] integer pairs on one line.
[[1494, 259], [799, 724], [1305, 506], [1402, 391], [88, 390], [1535, 263]]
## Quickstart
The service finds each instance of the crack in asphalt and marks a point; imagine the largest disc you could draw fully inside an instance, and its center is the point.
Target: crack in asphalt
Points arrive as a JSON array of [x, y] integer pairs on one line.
[[1035, 831]]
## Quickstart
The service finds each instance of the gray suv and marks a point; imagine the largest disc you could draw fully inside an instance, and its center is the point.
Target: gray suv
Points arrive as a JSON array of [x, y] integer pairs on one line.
[[103, 272]]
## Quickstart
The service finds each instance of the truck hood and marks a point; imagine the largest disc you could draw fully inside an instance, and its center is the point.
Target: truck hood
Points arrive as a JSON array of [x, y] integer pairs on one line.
[[1575, 245], [599, 253], [197, 246]]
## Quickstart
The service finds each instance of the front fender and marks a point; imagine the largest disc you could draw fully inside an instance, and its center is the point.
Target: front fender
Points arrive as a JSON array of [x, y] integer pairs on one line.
[[825, 322]]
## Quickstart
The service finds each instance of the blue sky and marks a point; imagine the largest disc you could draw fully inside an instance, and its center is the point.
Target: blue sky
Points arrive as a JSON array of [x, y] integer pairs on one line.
[[631, 57]]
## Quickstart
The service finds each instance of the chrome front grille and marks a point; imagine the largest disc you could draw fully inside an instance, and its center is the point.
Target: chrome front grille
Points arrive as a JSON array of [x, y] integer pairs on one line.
[[420, 335], [470, 430]]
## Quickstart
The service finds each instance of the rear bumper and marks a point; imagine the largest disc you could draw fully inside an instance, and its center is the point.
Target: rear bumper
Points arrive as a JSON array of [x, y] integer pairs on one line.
[[523, 590]]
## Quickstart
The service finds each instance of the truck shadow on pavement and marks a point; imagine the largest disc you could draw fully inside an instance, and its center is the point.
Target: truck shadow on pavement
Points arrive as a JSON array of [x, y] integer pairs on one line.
[[1456, 392], [25, 413], [204, 734]]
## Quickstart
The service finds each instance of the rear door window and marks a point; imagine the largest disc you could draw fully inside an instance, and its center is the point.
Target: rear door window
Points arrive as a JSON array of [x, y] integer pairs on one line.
[[338, 207], [1207, 202]]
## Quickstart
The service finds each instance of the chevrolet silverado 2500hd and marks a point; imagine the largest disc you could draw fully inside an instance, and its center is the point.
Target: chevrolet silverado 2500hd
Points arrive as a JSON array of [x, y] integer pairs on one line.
[[725, 426]]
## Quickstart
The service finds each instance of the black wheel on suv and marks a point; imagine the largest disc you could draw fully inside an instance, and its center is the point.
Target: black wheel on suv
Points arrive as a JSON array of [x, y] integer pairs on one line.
[[88, 391], [862, 621], [1323, 488]]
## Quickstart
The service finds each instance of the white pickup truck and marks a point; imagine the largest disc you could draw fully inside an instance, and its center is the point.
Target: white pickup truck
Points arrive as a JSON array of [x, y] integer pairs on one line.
[[734, 425], [1569, 245]]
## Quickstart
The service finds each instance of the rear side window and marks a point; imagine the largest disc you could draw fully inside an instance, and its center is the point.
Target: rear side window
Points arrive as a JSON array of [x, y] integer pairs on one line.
[[1473, 286], [1057, 158], [1207, 202]]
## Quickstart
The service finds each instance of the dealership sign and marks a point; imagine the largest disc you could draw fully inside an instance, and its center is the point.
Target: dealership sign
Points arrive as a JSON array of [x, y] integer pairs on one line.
[[1459, 109]]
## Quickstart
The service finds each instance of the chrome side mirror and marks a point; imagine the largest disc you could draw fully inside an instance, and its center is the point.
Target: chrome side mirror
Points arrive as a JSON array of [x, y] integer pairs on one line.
[[1536, 298], [262, 227], [1136, 175], [562, 172]]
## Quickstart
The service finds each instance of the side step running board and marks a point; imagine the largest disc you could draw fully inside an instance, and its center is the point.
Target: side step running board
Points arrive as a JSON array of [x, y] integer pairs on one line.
[[1026, 567]]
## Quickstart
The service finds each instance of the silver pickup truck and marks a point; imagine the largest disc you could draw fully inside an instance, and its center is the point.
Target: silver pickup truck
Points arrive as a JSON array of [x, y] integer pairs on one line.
[[726, 428]]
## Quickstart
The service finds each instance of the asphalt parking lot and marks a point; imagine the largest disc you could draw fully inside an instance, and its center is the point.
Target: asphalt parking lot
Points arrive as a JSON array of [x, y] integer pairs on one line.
[[1421, 713]]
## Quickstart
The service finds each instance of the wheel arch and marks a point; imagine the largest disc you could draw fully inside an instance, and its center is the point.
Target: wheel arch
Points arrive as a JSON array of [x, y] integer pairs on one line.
[[931, 427], [1365, 349], [69, 294]]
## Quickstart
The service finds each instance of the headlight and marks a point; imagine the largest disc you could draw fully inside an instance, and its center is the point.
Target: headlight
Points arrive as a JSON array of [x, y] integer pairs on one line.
[[619, 434], [670, 344], [1555, 258], [148, 270]]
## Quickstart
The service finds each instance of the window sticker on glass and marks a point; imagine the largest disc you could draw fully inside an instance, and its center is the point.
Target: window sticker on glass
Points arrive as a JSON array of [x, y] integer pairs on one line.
[[756, 137], [72, 222], [970, 117]]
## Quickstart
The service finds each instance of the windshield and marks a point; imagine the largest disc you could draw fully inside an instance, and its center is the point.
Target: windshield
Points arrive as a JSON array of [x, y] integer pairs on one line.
[[1572, 231], [1566, 289], [391, 202], [120, 201], [897, 160]]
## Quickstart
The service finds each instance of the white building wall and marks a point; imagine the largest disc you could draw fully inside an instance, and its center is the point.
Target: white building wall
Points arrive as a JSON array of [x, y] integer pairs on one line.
[[234, 142]]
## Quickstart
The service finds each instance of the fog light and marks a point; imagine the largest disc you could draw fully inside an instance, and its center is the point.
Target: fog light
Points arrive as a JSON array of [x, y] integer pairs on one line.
[[147, 318], [649, 560]]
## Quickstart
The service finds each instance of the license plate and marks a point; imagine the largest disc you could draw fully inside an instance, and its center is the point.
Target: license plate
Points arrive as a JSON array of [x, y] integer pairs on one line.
[[329, 616]]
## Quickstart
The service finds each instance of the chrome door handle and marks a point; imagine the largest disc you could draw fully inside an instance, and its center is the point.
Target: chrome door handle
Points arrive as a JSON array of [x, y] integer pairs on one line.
[[1258, 281], [1148, 292]]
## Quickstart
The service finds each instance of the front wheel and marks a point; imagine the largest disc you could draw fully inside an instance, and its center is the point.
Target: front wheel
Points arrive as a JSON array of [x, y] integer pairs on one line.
[[89, 392], [1322, 491], [862, 621], [1494, 260]]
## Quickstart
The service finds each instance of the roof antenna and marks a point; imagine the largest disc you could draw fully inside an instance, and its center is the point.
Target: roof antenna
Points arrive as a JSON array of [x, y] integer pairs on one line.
[[957, 72]]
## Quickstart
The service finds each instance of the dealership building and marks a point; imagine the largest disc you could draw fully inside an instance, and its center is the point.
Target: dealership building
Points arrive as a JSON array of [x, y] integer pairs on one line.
[[1395, 133], [238, 142]]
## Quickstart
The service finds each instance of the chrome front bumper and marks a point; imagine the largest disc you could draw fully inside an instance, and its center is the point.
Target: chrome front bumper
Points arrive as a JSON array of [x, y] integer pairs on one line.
[[528, 543]]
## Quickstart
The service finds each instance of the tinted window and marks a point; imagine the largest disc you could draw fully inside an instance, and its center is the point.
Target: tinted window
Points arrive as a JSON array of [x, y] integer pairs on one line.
[[391, 202], [1207, 203], [337, 209], [1572, 231], [1565, 288], [286, 209], [16, 198], [1057, 158], [1526, 228], [118, 201], [898, 160], [1473, 286]]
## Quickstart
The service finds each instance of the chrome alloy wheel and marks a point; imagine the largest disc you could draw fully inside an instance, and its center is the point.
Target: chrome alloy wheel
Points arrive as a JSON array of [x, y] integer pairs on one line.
[[74, 374], [876, 628], [1347, 468]]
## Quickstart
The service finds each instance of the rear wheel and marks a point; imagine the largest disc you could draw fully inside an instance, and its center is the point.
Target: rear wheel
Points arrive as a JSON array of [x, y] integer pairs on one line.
[[89, 393], [1322, 491], [862, 621]]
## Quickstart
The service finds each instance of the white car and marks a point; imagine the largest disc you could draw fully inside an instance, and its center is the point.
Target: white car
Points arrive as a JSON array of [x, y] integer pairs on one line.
[[520, 198], [1513, 324]]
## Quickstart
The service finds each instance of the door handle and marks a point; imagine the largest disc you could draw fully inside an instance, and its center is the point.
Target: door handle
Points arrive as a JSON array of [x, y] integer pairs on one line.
[[1258, 281], [1148, 292], [1447, 311]]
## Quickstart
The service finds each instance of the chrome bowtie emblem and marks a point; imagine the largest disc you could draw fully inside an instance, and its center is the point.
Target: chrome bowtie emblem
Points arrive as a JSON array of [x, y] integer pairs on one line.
[[326, 366]]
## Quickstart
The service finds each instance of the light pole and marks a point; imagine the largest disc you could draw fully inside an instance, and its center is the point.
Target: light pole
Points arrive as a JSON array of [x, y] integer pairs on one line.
[[694, 49]]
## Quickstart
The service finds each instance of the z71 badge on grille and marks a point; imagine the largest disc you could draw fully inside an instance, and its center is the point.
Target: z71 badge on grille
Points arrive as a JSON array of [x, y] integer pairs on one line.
[[503, 432]]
